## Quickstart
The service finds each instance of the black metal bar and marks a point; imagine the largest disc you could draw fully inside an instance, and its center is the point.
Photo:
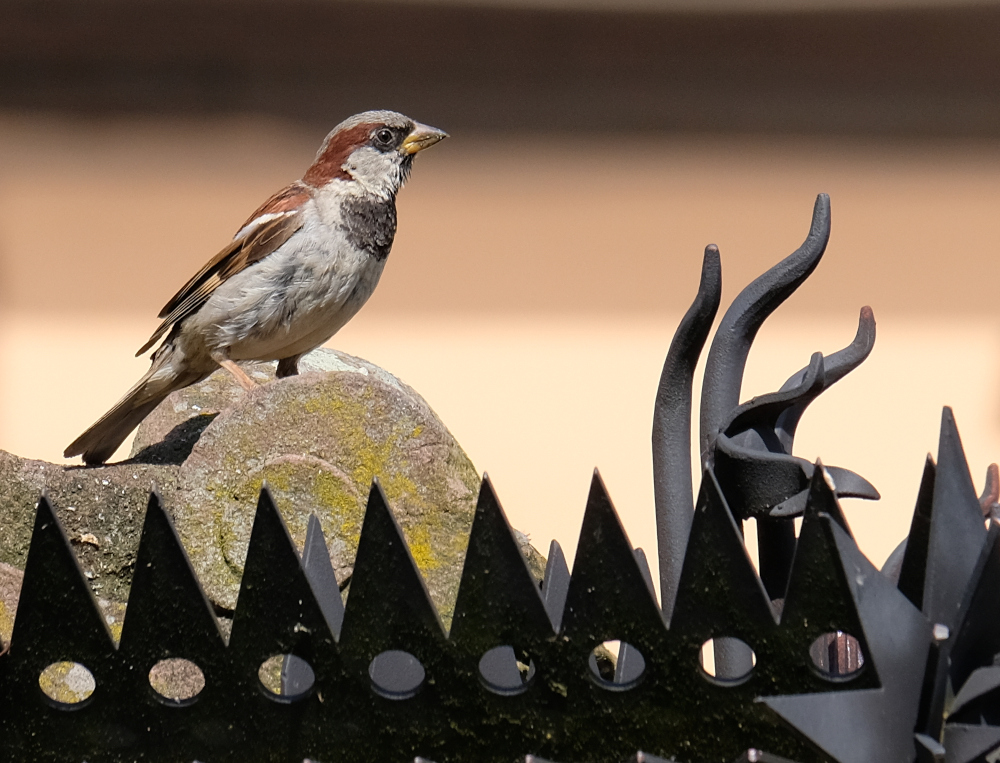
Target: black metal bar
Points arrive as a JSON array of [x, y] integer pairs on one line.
[[672, 490]]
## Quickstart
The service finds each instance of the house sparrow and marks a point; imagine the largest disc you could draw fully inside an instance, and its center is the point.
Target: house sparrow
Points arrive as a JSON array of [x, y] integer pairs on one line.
[[295, 273]]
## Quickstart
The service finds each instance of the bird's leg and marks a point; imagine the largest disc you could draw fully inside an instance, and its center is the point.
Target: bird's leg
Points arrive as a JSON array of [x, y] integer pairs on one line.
[[288, 367], [238, 373]]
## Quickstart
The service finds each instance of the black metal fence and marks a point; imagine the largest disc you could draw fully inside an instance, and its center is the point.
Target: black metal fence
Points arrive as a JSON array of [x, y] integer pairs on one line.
[[821, 657]]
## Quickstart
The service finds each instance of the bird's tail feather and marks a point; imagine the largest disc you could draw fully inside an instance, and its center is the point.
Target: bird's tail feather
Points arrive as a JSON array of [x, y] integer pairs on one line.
[[101, 440]]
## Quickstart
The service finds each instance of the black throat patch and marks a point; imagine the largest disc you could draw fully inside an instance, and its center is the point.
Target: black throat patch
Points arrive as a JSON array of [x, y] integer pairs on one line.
[[370, 224]]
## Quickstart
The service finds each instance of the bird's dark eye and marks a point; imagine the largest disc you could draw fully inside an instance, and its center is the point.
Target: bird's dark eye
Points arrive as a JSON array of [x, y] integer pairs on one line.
[[384, 137]]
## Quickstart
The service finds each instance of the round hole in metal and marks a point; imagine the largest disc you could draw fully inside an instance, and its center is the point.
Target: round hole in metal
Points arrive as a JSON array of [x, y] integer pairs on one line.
[[176, 681], [396, 674], [503, 671], [286, 677], [837, 656], [67, 684], [726, 660], [616, 665]]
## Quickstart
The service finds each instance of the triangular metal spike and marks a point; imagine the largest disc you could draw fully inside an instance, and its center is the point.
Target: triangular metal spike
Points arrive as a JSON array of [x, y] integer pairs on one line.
[[276, 612], [168, 614], [388, 607], [58, 621], [870, 724], [57, 614], [978, 636], [957, 530], [169, 617], [296, 674], [969, 744], [914, 566], [555, 584], [498, 601], [608, 596], [719, 592], [819, 601], [956, 554], [319, 571], [823, 497]]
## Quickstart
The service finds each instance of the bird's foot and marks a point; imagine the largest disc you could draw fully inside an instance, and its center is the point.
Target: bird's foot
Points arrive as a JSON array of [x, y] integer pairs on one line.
[[239, 374]]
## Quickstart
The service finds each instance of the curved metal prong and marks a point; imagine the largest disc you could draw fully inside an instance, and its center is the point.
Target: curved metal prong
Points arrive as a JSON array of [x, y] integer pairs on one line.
[[672, 488], [838, 365], [731, 346]]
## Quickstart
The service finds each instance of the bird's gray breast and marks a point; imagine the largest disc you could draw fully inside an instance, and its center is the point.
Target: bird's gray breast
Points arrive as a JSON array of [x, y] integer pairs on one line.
[[370, 224]]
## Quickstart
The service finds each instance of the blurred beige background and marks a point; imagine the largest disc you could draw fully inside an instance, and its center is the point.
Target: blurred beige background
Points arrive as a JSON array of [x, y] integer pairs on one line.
[[543, 259]]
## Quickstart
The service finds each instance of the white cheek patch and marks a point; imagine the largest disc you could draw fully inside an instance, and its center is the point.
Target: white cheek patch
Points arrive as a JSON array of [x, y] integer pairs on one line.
[[375, 172]]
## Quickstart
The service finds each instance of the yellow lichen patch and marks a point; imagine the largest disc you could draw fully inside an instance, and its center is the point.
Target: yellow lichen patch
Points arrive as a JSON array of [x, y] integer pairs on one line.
[[67, 682], [345, 508], [6, 622], [419, 540], [333, 402], [269, 673], [116, 630], [277, 477]]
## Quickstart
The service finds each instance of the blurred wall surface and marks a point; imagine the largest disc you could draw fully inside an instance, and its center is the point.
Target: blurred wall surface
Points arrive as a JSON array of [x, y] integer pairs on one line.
[[546, 252]]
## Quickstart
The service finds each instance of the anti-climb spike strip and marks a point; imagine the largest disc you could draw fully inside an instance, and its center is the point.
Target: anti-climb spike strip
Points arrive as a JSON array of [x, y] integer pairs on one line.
[[498, 603], [58, 622], [388, 601], [169, 618], [821, 658], [168, 613], [718, 585], [957, 532], [607, 582], [881, 721], [820, 599]]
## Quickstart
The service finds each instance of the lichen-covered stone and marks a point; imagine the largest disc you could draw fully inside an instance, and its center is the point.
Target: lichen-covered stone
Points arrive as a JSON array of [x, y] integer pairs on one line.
[[10, 589], [317, 440], [101, 509]]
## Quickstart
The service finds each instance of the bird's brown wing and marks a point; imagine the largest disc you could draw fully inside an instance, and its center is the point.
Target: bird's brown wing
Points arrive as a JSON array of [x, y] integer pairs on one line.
[[239, 255], [283, 203]]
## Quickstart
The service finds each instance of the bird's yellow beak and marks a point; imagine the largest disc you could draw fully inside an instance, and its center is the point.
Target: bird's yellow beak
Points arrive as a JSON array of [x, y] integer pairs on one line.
[[421, 137]]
